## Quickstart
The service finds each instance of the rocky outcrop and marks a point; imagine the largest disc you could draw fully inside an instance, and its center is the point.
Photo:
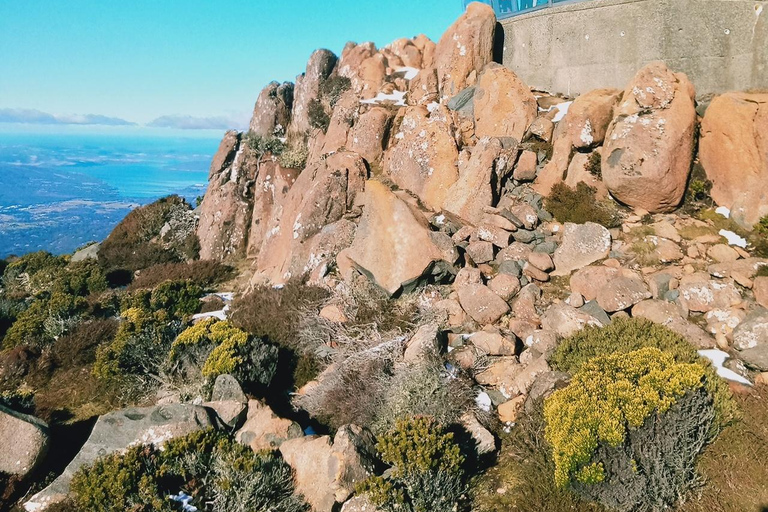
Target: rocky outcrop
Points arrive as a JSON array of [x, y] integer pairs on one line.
[[733, 150], [750, 339], [424, 159], [327, 470], [264, 430], [117, 431], [272, 112], [465, 49], [23, 442], [319, 67], [503, 105], [649, 144], [368, 137], [473, 191], [393, 245], [225, 213], [301, 232]]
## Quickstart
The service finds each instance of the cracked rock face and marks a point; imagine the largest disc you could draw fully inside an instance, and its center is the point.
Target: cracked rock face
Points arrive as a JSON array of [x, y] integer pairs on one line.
[[734, 153], [649, 144]]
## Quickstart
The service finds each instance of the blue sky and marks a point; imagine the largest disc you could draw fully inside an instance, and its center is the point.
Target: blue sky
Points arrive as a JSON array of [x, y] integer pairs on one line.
[[142, 59]]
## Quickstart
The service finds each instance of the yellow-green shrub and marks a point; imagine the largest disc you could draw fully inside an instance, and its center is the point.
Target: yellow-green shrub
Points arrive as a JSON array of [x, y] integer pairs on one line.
[[427, 469], [630, 334], [224, 349], [608, 396]]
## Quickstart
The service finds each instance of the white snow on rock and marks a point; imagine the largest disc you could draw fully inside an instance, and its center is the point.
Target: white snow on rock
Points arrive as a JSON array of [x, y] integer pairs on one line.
[[408, 73], [718, 357], [483, 401], [562, 109], [733, 238], [398, 97], [725, 212], [221, 314]]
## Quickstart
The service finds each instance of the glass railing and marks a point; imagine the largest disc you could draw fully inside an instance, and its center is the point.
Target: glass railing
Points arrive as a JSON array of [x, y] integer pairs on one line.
[[508, 8]]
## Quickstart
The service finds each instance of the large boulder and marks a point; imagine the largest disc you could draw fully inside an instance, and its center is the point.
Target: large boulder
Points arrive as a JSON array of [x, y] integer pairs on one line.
[[225, 213], [392, 245], [566, 320], [325, 470], [473, 191], [319, 198], [701, 294], [582, 244], [466, 47], [264, 430], [649, 145], [319, 68], [269, 191], [670, 315], [589, 116], [424, 159], [272, 112], [503, 105], [750, 339], [117, 431], [733, 150], [23, 442]]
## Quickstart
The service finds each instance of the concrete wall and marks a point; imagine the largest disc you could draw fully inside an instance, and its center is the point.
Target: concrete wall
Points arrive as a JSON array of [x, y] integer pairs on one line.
[[721, 45]]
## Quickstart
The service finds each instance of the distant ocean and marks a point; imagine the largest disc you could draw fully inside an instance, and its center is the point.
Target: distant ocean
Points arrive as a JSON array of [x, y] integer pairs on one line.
[[60, 189]]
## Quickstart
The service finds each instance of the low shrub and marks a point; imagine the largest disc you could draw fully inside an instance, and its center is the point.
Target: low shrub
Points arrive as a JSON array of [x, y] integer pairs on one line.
[[697, 195], [31, 274], [627, 430], [332, 89], [203, 273], [20, 400], [45, 319], [762, 271], [277, 314], [427, 469], [424, 389], [317, 115], [522, 477], [217, 473], [77, 348], [170, 299], [294, 157], [580, 205], [261, 145], [595, 164], [627, 335], [137, 241], [211, 348]]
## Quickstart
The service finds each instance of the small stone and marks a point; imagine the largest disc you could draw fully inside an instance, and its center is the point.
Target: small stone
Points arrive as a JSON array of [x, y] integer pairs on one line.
[[575, 299], [511, 268], [541, 261], [505, 285], [480, 252], [482, 304], [525, 169], [621, 293], [524, 236], [493, 343], [582, 244], [499, 221], [509, 411], [593, 308], [760, 289], [566, 320], [548, 247], [494, 234]]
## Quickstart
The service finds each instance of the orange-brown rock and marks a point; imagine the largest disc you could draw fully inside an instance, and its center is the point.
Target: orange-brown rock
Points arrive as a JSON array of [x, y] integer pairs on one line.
[[352, 57], [649, 145], [503, 105], [589, 116], [733, 150], [392, 244], [272, 185], [225, 213], [427, 48], [368, 136], [272, 112], [473, 191], [422, 90], [423, 160], [465, 48], [342, 119], [370, 76], [311, 213], [407, 51], [319, 68]]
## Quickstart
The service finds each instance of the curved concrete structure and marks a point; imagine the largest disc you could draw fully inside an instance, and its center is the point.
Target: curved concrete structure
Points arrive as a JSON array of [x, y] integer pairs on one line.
[[572, 48]]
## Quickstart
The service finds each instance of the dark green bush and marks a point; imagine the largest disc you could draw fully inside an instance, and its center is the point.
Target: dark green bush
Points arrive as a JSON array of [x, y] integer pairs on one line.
[[203, 273], [261, 145], [294, 157], [136, 242], [211, 348], [31, 274], [697, 194], [627, 335], [627, 430], [427, 469], [173, 299], [318, 117], [332, 89], [595, 165], [580, 205], [220, 475]]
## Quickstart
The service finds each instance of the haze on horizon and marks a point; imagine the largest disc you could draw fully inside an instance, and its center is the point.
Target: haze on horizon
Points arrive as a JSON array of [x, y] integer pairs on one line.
[[192, 63]]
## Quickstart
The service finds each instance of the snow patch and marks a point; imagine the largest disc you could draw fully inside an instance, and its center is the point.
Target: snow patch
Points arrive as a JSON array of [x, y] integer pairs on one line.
[[725, 212], [562, 109], [483, 401], [408, 73], [398, 97], [733, 238], [718, 357]]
